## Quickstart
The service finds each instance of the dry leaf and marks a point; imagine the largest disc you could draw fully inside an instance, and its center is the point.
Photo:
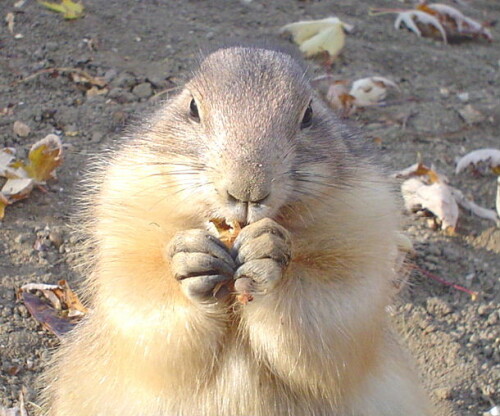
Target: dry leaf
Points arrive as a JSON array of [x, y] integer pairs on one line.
[[489, 157], [470, 115], [455, 23], [428, 190], [7, 156], [47, 315], [363, 92], [421, 23], [3, 203], [369, 91], [494, 411], [339, 98], [436, 198], [58, 311], [71, 300], [68, 8], [44, 157], [437, 21], [419, 192], [428, 174], [9, 19], [471, 206], [60, 296], [317, 36], [17, 189], [21, 129], [93, 91]]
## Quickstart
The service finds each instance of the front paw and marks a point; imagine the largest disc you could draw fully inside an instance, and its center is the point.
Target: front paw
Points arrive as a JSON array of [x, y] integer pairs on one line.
[[201, 263], [261, 252]]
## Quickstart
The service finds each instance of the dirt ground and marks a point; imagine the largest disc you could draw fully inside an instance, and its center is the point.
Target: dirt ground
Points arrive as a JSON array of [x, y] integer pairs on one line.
[[144, 47]]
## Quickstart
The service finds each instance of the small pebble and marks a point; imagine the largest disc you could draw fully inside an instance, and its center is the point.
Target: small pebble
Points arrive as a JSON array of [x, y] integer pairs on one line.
[[22, 238], [56, 237], [21, 129], [443, 393], [143, 90]]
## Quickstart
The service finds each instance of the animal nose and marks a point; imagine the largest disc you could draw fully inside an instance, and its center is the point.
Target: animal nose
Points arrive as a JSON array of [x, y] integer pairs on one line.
[[253, 196]]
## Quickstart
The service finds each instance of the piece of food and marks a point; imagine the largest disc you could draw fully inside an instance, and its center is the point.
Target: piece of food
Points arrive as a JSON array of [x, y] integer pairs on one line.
[[226, 231]]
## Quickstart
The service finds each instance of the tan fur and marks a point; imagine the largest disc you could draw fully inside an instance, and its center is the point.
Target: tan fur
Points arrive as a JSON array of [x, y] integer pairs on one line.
[[318, 344]]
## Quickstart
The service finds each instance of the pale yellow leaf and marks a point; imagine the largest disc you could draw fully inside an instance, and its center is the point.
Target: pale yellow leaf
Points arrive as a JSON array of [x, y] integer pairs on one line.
[[331, 40], [44, 157], [3, 203], [316, 36], [68, 8]]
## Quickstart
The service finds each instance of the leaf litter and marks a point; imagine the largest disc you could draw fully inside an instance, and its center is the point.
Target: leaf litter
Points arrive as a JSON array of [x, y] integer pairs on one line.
[[437, 20], [482, 159], [23, 175], [363, 92], [489, 157], [56, 307], [425, 190]]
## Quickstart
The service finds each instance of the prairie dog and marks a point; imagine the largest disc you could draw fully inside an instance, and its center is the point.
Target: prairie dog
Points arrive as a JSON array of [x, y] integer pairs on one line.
[[247, 141]]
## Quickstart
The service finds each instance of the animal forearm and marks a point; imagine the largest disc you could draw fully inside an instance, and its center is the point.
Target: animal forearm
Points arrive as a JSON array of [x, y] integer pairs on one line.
[[314, 333]]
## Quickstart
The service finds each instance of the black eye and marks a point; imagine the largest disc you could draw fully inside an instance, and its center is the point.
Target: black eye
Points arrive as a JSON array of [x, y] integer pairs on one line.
[[193, 110], [308, 117]]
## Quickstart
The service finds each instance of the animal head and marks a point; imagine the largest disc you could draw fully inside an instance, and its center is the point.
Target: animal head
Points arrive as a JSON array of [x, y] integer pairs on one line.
[[247, 136]]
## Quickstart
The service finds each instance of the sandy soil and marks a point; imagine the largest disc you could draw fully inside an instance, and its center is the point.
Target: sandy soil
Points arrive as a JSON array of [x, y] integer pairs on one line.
[[143, 47]]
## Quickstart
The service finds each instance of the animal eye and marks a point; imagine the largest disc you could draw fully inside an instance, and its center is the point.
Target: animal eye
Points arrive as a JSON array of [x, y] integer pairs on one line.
[[308, 117], [193, 110]]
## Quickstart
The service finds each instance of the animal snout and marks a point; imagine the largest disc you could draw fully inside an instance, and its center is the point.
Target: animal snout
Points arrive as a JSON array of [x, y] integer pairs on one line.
[[238, 193]]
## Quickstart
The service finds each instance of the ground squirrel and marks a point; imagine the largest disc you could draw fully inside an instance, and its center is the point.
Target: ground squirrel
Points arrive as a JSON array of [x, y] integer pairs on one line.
[[246, 141]]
